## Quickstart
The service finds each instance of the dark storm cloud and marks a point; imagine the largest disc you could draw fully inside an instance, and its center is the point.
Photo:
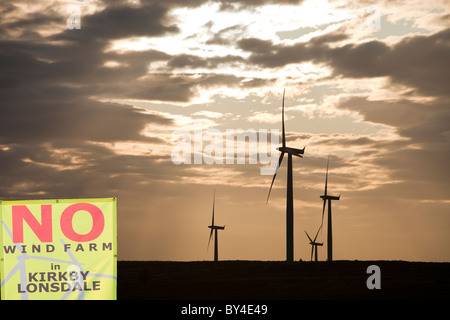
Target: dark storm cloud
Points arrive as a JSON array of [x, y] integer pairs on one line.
[[79, 63], [34, 21], [121, 22], [419, 162], [48, 101], [78, 170], [183, 87], [81, 60], [47, 104], [50, 123], [117, 20], [269, 55], [256, 45], [192, 61], [420, 62], [425, 123], [73, 119]]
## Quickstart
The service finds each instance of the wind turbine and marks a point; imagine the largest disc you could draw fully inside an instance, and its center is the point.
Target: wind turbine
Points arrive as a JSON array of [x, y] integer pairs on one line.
[[289, 192], [214, 229], [326, 197], [314, 245]]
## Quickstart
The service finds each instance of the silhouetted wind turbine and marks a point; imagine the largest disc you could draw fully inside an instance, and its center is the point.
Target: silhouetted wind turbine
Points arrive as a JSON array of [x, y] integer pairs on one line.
[[214, 229], [326, 197], [289, 192], [314, 245]]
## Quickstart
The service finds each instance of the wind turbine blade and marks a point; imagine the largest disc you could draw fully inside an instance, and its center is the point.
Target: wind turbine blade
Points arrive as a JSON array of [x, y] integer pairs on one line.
[[308, 236], [282, 120], [276, 171], [210, 236], [312, 251], [316, 235], [323, 213]]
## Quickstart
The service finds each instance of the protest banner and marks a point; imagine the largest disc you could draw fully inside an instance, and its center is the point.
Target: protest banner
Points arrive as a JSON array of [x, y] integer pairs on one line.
[[58, 249]]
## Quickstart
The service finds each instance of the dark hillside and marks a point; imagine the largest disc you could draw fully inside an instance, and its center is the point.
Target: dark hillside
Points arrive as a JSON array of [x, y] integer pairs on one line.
[[280, 281]]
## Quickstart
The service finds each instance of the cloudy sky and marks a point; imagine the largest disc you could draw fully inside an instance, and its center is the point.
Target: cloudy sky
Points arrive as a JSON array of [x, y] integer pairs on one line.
[[92, 91]]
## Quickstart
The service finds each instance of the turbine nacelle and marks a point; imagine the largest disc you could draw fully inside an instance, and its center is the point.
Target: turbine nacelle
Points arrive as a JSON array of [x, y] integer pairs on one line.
[[217, 227], [293, 151], [327, 197]]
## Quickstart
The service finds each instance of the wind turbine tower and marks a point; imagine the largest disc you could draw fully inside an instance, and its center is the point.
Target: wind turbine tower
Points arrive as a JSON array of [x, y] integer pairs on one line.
[[326, 197], [214, 229], [289, 192]]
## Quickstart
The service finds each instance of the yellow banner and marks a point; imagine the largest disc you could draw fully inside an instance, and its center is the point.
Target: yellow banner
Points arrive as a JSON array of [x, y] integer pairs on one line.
[[58, 249]]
